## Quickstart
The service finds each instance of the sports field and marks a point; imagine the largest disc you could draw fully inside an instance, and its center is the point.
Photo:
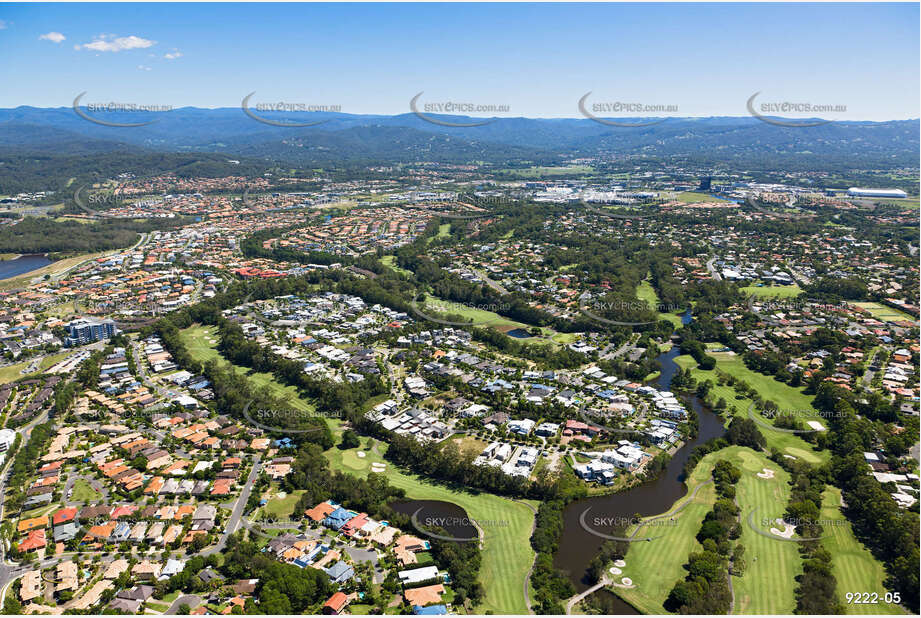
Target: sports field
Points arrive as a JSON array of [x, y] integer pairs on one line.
[[885, 314]]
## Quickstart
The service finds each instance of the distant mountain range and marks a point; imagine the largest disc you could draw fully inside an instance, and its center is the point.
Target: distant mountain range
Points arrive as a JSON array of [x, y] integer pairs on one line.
[[361, 139]]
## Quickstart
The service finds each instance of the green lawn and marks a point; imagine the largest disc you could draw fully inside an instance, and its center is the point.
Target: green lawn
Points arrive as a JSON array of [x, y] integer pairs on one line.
[[282, 507], [885, 313], [655, 566], [689, 197], [507, 553], [196, 338], [772, 291], [390, 261], [13, 372], [766, 587], [83, 492], [854, 567], [786, 397], [645, 291]]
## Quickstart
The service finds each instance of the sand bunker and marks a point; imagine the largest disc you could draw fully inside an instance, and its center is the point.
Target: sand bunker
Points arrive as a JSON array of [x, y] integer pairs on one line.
[[614, 571], [361, 454], [788, 529], [626, 581], [378, 467], [620, 563], [766, 473]]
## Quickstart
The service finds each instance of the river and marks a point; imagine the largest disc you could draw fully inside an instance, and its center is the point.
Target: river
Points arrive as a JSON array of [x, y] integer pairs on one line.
[[578, 546], [21, 265]]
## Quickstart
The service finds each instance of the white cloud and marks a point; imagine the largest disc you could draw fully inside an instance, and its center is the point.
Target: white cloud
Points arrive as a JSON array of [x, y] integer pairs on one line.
[[141, 67], [106, 43], [173, 55], [54, 37]]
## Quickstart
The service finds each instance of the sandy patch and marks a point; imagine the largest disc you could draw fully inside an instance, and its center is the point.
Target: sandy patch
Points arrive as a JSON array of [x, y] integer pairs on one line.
[[766, 473], [614, 571], [788, 529], [626, 581], [361, 454], [620, 563]]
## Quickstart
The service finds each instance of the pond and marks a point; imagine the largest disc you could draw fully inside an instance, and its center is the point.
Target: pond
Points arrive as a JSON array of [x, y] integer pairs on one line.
[[437, 513]]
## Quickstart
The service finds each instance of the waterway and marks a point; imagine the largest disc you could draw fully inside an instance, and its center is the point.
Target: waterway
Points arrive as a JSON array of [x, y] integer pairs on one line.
[[22, 265], [578, 546]]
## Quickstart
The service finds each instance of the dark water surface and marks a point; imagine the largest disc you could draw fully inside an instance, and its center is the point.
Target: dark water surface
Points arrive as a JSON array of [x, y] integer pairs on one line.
[[578, 546], [21, 265], [437, 513]]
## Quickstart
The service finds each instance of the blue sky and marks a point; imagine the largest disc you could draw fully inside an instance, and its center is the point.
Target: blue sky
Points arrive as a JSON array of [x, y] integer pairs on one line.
[[538, 59]]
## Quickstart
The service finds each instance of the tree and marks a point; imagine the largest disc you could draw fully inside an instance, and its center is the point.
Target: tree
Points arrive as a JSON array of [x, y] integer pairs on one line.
[[349, 440]]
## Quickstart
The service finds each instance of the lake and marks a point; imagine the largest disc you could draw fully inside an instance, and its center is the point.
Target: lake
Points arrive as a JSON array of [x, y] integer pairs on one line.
[[21, 265]]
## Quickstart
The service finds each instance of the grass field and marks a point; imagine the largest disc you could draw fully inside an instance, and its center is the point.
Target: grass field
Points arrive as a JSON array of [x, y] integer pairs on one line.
[[689, 197], [645, 291], [282, 507], [772, 291], [198, 339], [786, 397], [390, 261], [766, 587], [13, 372], [655, 566], [884, 313], [854, 567], [507, 553], [83, 492]]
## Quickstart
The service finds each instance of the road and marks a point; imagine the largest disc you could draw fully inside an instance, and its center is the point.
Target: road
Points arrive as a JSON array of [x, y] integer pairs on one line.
[[495, 285], [233, 522], [712, 269], [192, 600], [626, 347]]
